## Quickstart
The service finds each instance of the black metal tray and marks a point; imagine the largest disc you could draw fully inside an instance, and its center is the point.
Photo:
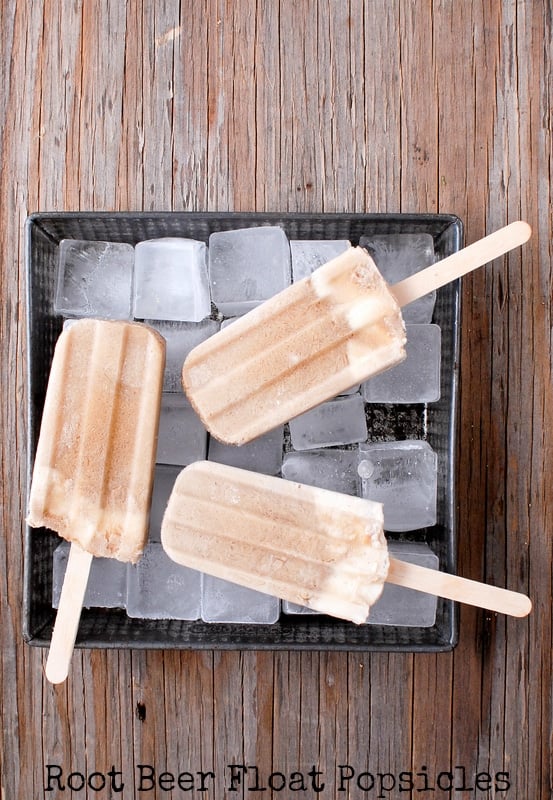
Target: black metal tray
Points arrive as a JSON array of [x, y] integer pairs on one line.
[[436, 423]]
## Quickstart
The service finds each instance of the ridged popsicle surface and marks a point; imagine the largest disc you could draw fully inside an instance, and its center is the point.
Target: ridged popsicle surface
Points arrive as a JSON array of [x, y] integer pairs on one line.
[[307, 545], [93, 470]]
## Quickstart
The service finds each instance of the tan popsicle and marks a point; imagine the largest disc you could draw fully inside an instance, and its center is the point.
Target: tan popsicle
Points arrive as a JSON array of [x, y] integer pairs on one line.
[[310, 546], [93, 469], [316, 339]]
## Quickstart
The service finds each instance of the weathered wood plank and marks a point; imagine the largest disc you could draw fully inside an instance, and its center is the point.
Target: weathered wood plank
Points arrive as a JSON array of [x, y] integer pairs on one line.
[[318, 105]]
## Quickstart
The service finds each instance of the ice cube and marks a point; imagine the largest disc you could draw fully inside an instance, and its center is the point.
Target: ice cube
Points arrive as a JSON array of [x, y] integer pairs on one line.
[[182, 437], [180, 338], [158, 588], [263, 454], [107, 582], [309, 254], [164, 480], [397, 605], [336, 422], [353, 390], [294, 608], [170, 280], [399, 255], [328, 468], [94, 279], [403, 476], [415, 380], [247, 266], [223, 601]]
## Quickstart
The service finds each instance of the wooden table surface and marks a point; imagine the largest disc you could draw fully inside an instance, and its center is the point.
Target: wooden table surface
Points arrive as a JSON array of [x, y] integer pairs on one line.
[[313, 105]]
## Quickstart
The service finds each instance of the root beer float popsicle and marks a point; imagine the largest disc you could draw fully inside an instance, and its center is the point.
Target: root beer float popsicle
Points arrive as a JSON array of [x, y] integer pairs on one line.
[[316, 339], [311, 546], [93, 470]]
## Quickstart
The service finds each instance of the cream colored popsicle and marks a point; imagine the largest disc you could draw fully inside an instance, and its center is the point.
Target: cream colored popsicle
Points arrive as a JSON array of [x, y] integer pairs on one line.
[[307, 545], [93, 470], [322, 335]]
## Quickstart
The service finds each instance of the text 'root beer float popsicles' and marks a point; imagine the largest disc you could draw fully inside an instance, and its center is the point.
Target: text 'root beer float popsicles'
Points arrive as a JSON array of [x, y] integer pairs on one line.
[[316, 339], [310, 546], [93, 470]]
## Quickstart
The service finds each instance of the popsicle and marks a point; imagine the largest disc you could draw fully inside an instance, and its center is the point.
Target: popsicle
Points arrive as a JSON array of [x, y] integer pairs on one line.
[[316, 339], [93, 470], [310, 546]]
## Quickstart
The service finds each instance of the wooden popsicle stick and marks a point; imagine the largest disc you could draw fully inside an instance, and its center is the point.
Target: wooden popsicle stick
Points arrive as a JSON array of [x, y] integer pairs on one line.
[[69, 614], [462, 262], [462, 590]]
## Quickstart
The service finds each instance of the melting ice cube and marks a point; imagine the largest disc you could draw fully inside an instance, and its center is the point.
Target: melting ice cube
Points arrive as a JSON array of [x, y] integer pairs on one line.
[[403, 476], [170, 280], [94, 279], [247, 266]]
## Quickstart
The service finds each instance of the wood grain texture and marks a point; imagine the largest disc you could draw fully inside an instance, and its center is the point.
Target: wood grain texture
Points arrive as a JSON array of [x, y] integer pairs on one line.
[[322, 105]]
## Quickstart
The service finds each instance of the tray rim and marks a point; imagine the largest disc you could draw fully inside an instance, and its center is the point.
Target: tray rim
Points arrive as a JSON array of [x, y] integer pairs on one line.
[[41, 637]]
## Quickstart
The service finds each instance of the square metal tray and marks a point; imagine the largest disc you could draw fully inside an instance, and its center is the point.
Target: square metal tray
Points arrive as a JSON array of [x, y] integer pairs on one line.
[[435, 422]]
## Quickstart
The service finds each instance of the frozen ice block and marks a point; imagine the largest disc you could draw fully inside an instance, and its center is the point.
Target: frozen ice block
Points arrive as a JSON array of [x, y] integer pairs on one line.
[[415, 380], [316, 339], [93, 470], [94, 279], [171, 281], [400, 605], [182, 437], [403, 477], [399, 255], [157, 588], [165, 476], [306, 345], [180, 339], [310, 254], [354, 390], [264, 454], [247, 266], [306, 545], [336, 422], [223, 601], [107, 583], [295, 609], [328, 468]]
